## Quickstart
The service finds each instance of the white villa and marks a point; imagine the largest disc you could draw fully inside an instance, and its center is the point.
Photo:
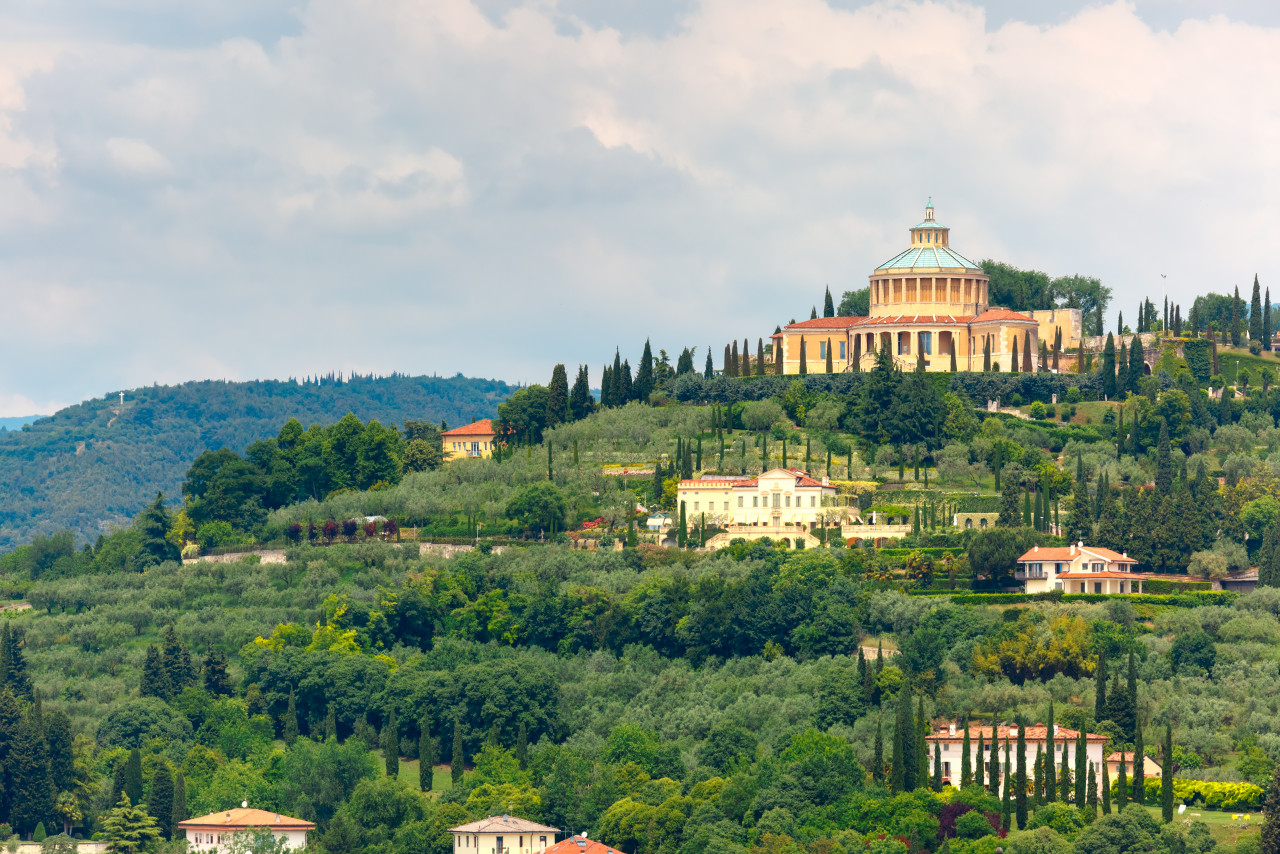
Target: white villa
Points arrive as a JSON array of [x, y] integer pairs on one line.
[[502, 834], [1078, 569], [951, 741], [214, 832], [783, 504]]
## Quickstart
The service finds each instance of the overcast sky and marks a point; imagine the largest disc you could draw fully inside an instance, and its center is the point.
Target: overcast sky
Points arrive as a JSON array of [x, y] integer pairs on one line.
[[252, 188]]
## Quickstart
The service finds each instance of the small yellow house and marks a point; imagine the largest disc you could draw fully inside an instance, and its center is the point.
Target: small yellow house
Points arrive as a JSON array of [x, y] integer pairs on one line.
[[502, 834], [473, 440]]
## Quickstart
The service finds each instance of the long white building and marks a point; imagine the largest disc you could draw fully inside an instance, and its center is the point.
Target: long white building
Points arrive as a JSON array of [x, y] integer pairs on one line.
[[951, 740]]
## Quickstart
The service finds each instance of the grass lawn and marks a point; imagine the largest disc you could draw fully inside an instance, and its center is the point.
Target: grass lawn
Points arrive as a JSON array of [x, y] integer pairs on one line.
[[441, 778], [1221, 826], [1228, 357]]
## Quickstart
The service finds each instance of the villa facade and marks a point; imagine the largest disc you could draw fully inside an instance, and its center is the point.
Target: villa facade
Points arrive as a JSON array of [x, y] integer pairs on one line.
[[951, 743], [1078, 569], [502, 834], [472, 440]]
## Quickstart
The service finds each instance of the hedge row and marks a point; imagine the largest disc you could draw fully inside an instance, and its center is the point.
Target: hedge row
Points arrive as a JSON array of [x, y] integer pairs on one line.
[[1158, 585], [1193, 599], [1217, 796]]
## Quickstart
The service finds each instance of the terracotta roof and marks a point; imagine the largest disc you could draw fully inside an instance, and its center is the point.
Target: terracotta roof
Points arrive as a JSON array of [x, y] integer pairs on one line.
[[1127, 755], [503, 824], [581, 845], [483, 427], [1070, 553], [241, 818], [826, 323], [995, 314], [1033, 734]]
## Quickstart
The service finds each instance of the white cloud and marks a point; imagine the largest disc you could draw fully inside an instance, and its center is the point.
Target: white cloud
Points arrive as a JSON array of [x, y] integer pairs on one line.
[[492, 187]]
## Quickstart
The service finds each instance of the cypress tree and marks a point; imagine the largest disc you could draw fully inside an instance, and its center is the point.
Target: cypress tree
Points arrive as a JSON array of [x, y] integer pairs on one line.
[[804, 358], [922, 746], [1082, 769], [830, 365], [1066, 783], [979, 767], [727, 369], [1122, 787], [813, 313], [682, 531], [1037, 785], [644, 376], [1271, 815], [61, 751], [1026, 509], [993, 779], [456, 765], [133, 776], [899, 779], [179, 810], [160, 804], [580, 400], [1026, 352], [744, 366], [331, 723], [709, 369], [290, 722], [1235, 318], [1139, 767], [986, 354], [1132, 711], [1050, 744], [155, 681], [877, 754], [1267, 329], [828, 306], [1166, 777], [1005, 812], [759, 357], [953, 359], [937, 767], [1255, 312], [1020, 778], [426, 754], [966, 768], [1109, 367], [1013, 360], [733, 359], [1106, 789], [391, 744], [557, 397]]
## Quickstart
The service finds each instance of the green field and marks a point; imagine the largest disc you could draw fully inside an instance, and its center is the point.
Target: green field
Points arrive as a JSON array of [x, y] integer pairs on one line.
[[1222, 826]]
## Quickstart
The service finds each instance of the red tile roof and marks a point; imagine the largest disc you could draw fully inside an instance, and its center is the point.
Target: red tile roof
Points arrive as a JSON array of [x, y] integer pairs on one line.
[[483, 427], [826, 323], [992, 315], [241, 818], [581, 845], [1033, 734], [1069, 553]]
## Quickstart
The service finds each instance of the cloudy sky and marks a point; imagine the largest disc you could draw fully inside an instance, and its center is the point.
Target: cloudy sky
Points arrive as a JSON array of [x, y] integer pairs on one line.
[[255, 188]]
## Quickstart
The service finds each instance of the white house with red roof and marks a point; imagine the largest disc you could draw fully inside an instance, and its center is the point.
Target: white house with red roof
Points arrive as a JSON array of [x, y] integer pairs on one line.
[[472, 440], [502, 834], [927, 300], [950, 741], [214, 832], [782, 504], [1078, 568]]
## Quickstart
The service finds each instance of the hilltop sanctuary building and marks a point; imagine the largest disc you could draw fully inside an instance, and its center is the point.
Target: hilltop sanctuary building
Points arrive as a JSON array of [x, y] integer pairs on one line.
[[931, 300]]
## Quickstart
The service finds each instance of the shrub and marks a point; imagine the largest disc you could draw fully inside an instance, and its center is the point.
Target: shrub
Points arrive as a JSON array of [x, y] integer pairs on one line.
[[1051, 411], [1073, 394], [1015, 399], [1216, 796]]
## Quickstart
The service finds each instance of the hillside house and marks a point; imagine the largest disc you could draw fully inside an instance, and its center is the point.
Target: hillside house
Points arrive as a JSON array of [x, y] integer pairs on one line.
[[502, 834], [951, 740], [1078, 569], [783, 504], [472, 440], [214, 832], [1150, 767]]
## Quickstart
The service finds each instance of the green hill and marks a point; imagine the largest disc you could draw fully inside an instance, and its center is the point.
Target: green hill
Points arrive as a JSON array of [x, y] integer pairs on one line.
[[93, 465]]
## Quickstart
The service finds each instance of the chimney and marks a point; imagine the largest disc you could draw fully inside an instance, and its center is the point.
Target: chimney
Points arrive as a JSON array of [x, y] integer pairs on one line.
[[1055, 730], [951, 728], [1013, 731], [1035, 548]]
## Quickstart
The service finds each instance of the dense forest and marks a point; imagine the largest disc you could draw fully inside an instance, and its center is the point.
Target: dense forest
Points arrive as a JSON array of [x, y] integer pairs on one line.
[[96, 464]]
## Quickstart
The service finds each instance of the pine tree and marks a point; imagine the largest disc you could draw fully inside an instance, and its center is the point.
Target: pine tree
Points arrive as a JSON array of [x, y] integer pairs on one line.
[[1255, 312], [153, 525], [128, 828], [289, 726], [30, 783], [1106, 789], [456, 765], [160, 804], [155, 682], [557, 397], [179, 810], [15, 664], [216, 680], [828, 306], [1020, 778], [1166, 777], [966, 767], [58, 737]]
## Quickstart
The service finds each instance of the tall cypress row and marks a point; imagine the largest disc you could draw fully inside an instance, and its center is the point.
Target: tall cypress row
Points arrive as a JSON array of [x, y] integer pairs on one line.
[[1020, 778]]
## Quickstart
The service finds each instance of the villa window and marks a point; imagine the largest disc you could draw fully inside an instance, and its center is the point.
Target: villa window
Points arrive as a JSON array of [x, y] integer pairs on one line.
[[777, 501], [822, 349], [755, 501], [813, 501], [695, 506], [739, 500], [726, 506], [842, 346], [788, 500]]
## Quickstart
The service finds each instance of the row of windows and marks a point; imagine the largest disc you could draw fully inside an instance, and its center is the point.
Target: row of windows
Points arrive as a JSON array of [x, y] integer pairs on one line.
[[469, 446], [822, 349], [466, 842], [1036, 570], [986, 747], [779, 501]]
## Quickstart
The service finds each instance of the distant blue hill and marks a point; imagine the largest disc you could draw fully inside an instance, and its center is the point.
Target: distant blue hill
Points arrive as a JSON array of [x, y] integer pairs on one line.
[[94, 465], [17, 422]]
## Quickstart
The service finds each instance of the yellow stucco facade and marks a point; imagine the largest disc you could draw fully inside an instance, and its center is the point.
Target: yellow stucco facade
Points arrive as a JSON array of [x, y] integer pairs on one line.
[[475, 440], [926, 300]]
